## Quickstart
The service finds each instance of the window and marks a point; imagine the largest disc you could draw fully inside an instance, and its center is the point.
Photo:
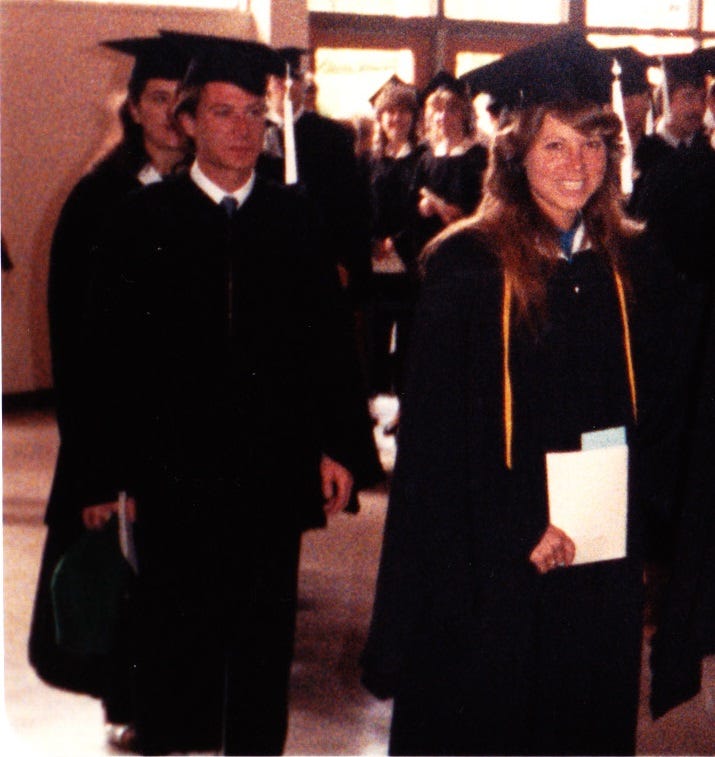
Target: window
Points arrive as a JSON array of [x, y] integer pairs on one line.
[[518, 11], [347, 78], [239, 5], [648, 44], [402, 8], [641, 14], [709, 15]]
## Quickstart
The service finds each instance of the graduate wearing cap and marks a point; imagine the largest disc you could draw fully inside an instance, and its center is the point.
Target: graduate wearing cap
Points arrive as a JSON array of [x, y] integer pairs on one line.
[[448, 177], [319, 157], [636, 90], [235, 412], [390, 166], [150, 148], [493, 629]]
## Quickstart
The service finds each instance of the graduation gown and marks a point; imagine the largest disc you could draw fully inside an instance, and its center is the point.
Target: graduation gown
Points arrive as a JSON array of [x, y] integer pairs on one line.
[[328, 173], [392, 295], [232, 353], [82, 223], [482, 654], [455, 178]]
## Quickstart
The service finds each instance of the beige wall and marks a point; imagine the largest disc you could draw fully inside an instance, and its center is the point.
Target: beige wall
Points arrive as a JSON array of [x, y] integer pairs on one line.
[[58, 90]]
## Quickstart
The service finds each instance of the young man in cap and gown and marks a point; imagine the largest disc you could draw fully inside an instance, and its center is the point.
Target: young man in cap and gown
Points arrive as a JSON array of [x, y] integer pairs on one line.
[[234, 415]]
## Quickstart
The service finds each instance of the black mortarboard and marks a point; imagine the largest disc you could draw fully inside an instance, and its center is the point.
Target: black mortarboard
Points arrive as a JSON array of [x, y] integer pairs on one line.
[[634, 68], [706, 56], [443, 80], [245, 63], [565, 68], [154, 58], [293, 57], [685, 68], [393, 81], [395, 93]]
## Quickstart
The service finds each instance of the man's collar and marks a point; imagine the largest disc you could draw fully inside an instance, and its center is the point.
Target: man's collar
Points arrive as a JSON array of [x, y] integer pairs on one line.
[[149, 175], [215, 192]]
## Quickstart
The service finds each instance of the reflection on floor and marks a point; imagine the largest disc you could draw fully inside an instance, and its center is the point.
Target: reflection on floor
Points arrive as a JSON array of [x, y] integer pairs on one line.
[[330, 712]]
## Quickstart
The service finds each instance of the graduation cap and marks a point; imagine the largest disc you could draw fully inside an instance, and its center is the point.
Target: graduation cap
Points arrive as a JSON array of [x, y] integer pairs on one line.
[[444, 80], [706, 57], [245, 63], [565, 68], [634, 68], [685, 68], [394, 92], [294, 58], [154, 58]]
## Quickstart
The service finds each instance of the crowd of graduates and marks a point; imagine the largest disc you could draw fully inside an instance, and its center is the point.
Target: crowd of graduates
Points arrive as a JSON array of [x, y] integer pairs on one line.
[[137, 242]]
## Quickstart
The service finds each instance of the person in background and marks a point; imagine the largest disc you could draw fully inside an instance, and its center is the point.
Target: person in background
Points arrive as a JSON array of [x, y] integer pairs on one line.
[[491, 629], [326, 171], [310, 92], [150, 149], [447, 183], [636, 90], [675, 194], [390, 167], [239, 423]]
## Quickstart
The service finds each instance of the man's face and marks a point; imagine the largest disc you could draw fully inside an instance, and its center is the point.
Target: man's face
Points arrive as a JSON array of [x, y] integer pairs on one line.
[[227, 130], [687, 108]]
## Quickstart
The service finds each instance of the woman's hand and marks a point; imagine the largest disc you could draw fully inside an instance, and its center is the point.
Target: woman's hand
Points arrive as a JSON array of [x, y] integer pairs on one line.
[[95, 517], [554, 550]]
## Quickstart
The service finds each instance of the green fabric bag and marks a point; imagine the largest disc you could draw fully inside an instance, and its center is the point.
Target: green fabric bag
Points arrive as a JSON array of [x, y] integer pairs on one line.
[[88, 587]]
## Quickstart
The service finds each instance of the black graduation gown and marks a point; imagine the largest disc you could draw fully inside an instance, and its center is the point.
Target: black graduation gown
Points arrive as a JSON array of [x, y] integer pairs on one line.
[[675, 194], [392, 295], [233, 355], [455, 178], [81, 224], [482, 654], [328, 173]]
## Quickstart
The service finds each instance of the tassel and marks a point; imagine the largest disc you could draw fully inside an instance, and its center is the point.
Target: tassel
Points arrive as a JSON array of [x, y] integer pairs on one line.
[[291, 164], [619, 110]]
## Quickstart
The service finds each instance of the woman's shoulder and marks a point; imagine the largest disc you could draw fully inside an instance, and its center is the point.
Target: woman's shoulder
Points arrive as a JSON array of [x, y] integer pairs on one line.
[[461, 252]]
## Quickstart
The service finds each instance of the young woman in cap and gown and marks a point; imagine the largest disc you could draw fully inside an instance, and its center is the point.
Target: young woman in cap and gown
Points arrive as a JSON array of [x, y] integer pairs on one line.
[[390, 167], [150, 148], [495, 628]]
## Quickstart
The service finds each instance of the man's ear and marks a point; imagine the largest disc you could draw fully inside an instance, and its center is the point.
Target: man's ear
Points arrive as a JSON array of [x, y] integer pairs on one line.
[[134, 112], [187, 123]]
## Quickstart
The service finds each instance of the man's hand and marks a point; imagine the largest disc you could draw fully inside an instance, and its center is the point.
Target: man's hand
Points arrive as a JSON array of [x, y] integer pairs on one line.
[[337, 485]]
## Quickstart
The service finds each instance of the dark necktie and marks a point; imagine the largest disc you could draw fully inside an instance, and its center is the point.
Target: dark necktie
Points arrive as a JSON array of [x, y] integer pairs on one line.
[[229, 204]]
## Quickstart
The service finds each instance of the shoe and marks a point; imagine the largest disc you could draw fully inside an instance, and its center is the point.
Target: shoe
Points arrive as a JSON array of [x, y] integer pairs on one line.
[[121, 736]]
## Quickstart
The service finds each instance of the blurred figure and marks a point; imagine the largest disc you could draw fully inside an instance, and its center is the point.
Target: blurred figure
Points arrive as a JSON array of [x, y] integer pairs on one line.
[[150, 149], [447, 184], [390, 166], [326, 171]]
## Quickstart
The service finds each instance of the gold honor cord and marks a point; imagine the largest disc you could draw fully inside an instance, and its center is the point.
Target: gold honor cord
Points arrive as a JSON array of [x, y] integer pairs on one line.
[[506, 339]]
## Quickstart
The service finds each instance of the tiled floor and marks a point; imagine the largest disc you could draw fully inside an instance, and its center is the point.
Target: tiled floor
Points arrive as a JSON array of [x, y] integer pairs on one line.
[[330, 712]]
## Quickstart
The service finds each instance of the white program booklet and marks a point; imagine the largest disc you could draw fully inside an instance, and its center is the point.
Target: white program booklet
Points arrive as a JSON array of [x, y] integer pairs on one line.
[[588, 499]]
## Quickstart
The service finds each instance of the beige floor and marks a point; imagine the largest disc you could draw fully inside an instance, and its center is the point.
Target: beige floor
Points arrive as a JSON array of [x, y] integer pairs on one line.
[[330, 712]]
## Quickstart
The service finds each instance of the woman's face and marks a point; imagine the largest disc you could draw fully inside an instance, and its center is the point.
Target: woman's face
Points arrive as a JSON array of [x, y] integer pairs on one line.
[[396, 123], [153, 114], [446, 121], [564, 168]]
